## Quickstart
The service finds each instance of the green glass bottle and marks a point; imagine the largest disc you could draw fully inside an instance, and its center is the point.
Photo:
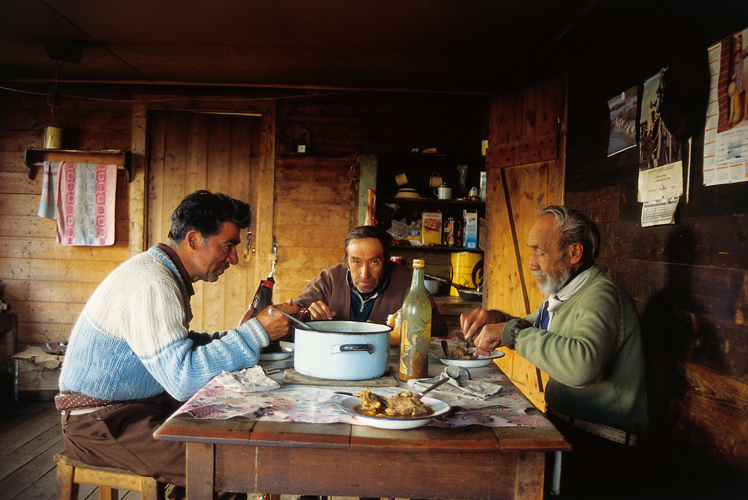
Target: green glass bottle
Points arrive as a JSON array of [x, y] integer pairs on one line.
[[415, 329]]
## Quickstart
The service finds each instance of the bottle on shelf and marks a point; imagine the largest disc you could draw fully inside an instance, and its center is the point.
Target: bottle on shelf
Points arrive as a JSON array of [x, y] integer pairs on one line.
[[415, 328]]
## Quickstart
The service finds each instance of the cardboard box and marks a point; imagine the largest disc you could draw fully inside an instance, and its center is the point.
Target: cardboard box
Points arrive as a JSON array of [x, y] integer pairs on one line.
[[431, 228], [37, 374], [470, 229]]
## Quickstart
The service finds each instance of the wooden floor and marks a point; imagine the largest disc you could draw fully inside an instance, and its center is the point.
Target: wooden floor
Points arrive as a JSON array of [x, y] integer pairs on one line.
[[30, 436]]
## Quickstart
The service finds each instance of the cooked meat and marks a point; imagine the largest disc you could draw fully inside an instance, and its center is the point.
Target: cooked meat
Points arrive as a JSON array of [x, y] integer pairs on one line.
[[461, 352], [372, 403], [405, 404]]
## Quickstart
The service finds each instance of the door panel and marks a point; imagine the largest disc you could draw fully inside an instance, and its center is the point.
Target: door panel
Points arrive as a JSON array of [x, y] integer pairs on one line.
[[525, 173], [191, 151]]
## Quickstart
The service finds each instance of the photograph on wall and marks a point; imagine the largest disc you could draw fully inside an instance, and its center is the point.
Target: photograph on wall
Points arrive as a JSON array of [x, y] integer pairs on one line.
[[726, 129], [658, 146], [622, 122]]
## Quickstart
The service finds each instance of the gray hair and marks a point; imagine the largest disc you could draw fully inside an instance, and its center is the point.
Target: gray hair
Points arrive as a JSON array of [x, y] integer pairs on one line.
[[575, 227]]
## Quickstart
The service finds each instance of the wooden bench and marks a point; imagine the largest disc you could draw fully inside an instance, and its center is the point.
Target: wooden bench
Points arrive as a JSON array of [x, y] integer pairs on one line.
[[71, 473]]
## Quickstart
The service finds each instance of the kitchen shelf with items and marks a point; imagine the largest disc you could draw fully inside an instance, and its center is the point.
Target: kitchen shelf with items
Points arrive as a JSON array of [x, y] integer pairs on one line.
[[424, 201], [431, 202]]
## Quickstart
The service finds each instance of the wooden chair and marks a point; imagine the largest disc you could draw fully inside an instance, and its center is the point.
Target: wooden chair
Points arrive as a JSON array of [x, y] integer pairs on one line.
[[71, 473]]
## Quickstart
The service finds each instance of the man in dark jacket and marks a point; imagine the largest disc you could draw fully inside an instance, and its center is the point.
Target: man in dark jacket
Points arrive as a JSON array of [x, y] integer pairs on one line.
[[366, 286]]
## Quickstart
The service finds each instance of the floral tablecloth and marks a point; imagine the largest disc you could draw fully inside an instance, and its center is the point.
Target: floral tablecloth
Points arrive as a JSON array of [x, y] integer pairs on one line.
[[319, 404]]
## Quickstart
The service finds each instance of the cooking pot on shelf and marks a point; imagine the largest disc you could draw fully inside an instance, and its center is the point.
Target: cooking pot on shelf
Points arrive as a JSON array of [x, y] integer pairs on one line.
[[342, 350]]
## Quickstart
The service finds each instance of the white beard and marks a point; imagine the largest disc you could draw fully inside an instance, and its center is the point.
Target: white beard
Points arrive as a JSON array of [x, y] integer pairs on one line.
[[553, 282]]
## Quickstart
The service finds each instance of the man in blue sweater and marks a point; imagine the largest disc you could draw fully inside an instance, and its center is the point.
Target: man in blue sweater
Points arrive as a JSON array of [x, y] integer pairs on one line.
[[132, 358]]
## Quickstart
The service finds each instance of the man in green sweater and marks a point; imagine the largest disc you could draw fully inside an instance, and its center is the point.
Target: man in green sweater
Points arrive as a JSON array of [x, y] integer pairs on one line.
[[586, 336]]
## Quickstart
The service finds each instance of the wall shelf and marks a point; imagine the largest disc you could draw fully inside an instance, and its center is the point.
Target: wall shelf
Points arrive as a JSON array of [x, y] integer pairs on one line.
[[36, 158]]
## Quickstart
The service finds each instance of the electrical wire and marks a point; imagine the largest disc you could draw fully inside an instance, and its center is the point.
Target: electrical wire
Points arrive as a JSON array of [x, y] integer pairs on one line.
[[211, 99]]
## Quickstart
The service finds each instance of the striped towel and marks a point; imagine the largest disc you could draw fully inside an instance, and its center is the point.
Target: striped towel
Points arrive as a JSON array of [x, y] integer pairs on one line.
[[48, 203], [85, 204]]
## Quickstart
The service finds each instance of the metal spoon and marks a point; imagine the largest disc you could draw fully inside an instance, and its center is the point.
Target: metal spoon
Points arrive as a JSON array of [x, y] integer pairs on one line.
[[434, 386], [296, 322]]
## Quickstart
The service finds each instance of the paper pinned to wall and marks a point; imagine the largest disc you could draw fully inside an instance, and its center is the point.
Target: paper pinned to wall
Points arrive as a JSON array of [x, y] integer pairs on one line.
[[658, 213], [726, 129], [661, 183]]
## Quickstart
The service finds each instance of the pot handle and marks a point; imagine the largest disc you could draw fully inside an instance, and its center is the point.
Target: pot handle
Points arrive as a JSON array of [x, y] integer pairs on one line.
[[352, 347]]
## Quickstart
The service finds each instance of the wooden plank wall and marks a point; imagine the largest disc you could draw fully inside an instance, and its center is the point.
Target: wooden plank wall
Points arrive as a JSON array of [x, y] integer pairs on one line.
[[315, 195], [688, 281], [47, 284]]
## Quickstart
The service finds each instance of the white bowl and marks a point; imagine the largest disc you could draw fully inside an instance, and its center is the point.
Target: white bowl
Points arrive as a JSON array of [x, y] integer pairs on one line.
[[469, 363], [285, 352]]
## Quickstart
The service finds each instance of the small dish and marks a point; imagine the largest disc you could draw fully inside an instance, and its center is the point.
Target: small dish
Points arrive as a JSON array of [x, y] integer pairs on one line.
[[407, 193], [285, 352], [469, 363], [349, 403]]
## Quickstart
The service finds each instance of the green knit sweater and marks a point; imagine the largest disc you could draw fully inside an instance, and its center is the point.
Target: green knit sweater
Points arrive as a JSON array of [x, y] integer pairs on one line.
[[593, 355]]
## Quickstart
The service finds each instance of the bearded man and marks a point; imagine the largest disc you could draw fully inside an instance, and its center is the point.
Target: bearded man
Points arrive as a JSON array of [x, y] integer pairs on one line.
[[586, 336]]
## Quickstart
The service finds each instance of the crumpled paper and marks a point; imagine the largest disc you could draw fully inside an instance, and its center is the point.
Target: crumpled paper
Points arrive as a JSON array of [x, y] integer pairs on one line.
[[247, 380], [471, 389]]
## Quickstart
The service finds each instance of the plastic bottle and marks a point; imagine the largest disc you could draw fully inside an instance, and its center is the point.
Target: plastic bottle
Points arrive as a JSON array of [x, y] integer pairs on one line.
[[415, 329]]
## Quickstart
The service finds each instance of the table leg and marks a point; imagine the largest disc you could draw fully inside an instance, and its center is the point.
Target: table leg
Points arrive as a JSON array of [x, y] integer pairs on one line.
[[530, 476], [200, 471]]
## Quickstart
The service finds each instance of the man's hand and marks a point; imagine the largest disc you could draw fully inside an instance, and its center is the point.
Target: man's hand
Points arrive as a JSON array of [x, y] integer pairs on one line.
[[277, 326], [319, 310], [489, 339], [473, 322]]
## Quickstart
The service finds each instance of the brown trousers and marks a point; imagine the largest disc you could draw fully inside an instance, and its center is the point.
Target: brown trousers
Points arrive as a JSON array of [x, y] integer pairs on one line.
[[122, 436]]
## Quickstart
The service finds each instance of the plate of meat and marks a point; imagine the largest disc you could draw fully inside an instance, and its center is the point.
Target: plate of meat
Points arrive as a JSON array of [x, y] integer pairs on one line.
[[463, 356], [402, 411]]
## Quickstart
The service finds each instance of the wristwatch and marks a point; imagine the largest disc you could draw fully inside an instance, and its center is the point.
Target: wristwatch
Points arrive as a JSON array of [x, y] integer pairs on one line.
[[519, 326]]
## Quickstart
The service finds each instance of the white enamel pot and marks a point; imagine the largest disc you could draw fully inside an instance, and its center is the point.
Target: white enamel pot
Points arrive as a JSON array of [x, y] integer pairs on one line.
[[342, 350]]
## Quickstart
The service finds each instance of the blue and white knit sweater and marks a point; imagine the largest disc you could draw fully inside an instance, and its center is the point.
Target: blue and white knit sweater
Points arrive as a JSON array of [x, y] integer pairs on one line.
[[131, 340]]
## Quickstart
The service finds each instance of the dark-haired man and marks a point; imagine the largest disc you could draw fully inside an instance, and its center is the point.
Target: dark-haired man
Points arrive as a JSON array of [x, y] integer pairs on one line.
[[366, 286], [131, 357], [586, 336]]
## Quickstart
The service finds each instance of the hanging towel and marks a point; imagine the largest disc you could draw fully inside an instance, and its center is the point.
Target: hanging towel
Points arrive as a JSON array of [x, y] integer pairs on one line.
[[85, 204], [48, 203]]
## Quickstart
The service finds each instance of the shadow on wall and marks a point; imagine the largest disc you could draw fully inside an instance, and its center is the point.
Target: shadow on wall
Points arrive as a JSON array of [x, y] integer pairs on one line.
[[677, 454]]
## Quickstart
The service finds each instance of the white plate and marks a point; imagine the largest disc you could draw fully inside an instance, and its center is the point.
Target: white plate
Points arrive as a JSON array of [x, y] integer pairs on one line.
[[286, 351], [470, 363], [440, 408]]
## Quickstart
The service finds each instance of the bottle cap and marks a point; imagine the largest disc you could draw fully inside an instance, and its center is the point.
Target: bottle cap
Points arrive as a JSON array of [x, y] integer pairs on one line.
[[418, 263]]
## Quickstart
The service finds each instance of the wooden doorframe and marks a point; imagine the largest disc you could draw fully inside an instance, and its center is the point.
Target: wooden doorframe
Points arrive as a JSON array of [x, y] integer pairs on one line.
[[265, 110]]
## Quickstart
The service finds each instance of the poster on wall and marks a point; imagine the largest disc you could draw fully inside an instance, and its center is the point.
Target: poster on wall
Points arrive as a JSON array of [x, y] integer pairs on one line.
[[622, 122], [660, 165], [726, 129]]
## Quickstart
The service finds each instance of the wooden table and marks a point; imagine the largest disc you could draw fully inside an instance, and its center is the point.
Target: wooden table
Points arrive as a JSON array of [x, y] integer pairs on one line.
[[349, 460]]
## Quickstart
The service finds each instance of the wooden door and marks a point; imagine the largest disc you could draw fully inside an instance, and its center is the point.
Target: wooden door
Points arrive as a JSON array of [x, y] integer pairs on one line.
[[218, 152], [525, 172]]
